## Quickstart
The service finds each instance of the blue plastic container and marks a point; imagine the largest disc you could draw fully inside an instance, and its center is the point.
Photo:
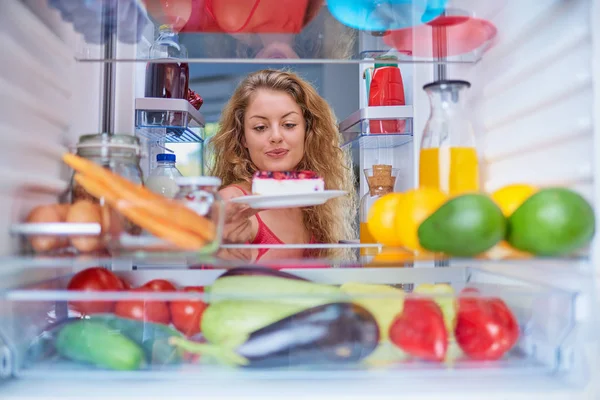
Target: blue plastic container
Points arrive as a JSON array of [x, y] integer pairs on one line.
[[383, 15]]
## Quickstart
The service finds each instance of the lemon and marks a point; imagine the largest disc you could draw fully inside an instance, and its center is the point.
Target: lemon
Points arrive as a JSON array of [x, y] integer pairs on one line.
[[382, 219], [510, 197], [414, 207]]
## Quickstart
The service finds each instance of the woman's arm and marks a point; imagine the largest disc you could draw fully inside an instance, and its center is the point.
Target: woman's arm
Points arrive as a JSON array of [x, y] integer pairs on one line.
[[238, 227]]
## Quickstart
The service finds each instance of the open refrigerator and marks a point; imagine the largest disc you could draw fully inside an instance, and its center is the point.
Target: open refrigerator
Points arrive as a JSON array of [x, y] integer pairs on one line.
[[535, 100]]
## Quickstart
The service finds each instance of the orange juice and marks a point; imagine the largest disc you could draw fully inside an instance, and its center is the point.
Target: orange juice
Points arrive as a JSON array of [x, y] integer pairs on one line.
[[453, 170], [366, 237]]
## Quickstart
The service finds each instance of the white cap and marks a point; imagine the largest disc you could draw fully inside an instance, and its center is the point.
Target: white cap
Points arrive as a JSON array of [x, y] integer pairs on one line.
[[198, 181]]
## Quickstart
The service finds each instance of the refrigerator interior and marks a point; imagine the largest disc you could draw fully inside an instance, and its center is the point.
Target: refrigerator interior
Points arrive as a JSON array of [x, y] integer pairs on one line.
[[534, 98]]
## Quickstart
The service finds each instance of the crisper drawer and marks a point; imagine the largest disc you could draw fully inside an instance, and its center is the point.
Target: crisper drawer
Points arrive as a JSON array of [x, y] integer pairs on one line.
[[261, 324]]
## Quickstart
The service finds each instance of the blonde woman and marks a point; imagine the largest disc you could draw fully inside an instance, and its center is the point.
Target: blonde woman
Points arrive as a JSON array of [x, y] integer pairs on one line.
[[275, 121]]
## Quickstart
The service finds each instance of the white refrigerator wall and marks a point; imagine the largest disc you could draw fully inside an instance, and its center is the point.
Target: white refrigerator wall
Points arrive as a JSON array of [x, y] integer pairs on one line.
[[46, 101], [535, 95]]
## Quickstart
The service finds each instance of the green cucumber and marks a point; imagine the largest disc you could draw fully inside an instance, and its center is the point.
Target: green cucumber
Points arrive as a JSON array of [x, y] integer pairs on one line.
[[152, 337], [96, 343]]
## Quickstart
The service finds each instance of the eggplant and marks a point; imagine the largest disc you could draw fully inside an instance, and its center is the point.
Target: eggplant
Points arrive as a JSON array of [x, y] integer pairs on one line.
[[334, 333], [259, 271]]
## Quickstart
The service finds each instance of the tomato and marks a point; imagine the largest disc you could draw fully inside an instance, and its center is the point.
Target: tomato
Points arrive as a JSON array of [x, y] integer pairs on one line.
[[144, 310], [420, 330], [186, 315], [485, 327], [159, 285], [95, 279]]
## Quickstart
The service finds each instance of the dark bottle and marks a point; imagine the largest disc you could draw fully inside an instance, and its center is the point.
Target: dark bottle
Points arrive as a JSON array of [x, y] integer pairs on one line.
[[171, 79]]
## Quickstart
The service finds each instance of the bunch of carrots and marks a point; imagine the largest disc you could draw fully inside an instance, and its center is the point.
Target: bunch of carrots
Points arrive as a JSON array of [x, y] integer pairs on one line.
[[162, 217]]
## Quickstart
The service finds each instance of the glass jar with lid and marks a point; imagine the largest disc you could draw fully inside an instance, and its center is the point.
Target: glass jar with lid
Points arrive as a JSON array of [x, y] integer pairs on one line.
[[201, 194], [120, 153], [381, 179]]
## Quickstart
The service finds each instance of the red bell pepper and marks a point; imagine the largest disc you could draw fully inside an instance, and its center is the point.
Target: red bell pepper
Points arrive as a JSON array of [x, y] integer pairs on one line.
[[420, 331], [485, 327]]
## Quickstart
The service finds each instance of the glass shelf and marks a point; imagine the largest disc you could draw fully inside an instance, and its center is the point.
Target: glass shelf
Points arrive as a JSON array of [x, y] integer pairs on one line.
[[384, 141], [378, 127], [168, 120], [310, 34]]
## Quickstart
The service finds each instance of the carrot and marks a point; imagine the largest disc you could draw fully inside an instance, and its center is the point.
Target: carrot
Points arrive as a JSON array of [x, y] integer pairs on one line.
[[138, 195], [153, 224]]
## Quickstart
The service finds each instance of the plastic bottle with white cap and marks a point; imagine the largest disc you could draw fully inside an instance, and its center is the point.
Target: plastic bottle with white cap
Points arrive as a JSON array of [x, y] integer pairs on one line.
[[162, 179]]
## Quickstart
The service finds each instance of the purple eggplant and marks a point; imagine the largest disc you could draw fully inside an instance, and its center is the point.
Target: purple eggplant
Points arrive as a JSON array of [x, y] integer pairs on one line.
[[259, 271], [334, 333]]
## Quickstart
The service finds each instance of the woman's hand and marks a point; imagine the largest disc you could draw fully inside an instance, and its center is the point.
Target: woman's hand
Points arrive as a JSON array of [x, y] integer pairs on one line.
[[237, 227]]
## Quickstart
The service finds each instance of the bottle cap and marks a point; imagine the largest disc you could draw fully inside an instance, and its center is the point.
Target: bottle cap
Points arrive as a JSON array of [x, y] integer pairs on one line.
[[166, 157]]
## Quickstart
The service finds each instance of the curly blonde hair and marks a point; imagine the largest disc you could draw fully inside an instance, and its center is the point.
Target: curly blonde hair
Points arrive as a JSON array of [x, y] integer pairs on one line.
[[328, 223]]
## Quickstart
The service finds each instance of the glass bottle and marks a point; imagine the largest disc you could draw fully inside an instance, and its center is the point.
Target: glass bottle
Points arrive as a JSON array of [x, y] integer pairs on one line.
[[448, 158], [167, 80], [162, 179], [381, 179]]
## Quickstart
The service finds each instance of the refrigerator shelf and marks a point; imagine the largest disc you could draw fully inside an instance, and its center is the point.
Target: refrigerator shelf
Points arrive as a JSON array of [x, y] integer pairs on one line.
[[311, 34], [546, 318], [378, 127], [168, 120]]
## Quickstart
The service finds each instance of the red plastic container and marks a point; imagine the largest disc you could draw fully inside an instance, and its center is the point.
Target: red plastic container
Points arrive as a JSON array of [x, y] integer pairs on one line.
[[235, 16], [445, 36], [386, 89]]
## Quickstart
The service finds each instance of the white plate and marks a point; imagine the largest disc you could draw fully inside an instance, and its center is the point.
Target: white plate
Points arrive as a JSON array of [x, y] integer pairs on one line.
[[288, 200]]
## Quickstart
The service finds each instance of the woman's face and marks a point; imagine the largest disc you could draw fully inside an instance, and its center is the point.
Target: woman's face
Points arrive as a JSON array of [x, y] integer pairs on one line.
[[274, 131]]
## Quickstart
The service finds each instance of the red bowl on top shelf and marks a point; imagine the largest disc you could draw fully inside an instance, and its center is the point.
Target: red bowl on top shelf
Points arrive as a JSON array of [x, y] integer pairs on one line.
[[234, 16], [445, 36]]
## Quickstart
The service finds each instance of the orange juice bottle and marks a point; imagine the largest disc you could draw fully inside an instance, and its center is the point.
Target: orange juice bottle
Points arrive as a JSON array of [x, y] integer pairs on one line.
[[448, 158]]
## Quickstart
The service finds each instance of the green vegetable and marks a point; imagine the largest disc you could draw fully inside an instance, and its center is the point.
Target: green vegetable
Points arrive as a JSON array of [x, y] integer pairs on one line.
[[282, 290], [229, 322], [384, 309], [152, 337], [96, 343], [465, 226], [552, 222]]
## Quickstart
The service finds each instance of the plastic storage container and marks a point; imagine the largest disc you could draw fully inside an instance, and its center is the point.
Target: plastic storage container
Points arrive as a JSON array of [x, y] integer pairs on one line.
[[162, 179], [169, 225], [200, 193], [249, 326]]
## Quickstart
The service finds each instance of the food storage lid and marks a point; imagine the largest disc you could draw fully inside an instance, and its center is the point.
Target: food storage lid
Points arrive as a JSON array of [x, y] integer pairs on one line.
[[117, 142], [198, 181], [166, 157], [447, 84]]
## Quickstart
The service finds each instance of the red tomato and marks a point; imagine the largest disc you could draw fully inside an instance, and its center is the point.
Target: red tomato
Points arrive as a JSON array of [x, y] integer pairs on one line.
[[420, 330], [144, 310], [485, 328], [159, 285], [186, 315], [95, 279]]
